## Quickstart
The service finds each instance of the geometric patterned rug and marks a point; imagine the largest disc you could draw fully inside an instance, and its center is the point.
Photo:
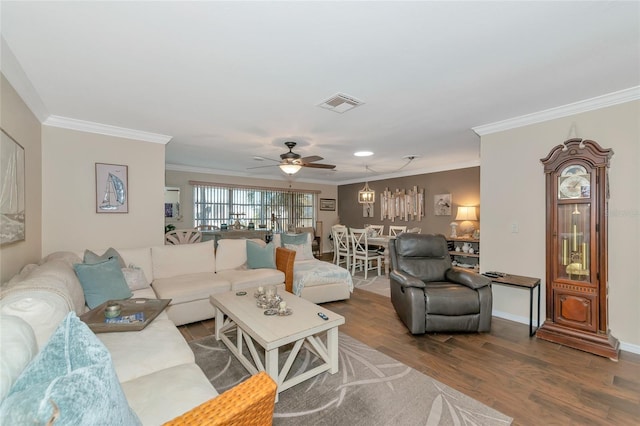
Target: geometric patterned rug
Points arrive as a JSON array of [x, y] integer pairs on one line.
[[373, 283]]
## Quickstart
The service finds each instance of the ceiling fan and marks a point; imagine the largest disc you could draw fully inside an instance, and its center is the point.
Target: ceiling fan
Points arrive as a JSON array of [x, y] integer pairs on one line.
[[291, 163]]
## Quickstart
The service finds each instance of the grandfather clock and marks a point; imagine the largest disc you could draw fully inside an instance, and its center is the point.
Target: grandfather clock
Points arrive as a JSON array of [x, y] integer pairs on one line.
[[577, 193]]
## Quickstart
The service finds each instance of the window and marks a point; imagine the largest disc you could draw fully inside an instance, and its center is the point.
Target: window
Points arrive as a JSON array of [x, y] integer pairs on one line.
[[277, 209]]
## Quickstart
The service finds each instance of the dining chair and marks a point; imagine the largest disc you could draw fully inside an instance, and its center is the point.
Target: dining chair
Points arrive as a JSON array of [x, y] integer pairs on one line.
[[395, 230], [378, 228], [341, 245], [362, 256], [182, 236]]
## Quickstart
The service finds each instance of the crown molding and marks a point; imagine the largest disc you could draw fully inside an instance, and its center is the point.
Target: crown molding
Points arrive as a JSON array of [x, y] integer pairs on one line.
[[16, 76], [105, 129], [610, 99]]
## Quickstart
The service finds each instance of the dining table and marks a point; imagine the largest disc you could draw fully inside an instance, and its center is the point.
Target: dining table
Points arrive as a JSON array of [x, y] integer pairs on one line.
[[382, 241]]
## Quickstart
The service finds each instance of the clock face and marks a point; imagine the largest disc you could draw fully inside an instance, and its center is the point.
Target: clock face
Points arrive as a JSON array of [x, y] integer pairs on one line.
[[574, 186]]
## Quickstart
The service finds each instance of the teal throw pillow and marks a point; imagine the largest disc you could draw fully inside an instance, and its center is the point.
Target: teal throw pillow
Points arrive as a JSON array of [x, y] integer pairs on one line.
[[260, 257], [295, 239], [91, 257], [72, 377], [102, 281]]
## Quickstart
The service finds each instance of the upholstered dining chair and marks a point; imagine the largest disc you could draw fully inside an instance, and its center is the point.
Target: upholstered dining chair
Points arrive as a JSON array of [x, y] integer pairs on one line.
[[182, 236], [394, 230], [341, 245], [431, 296], [362, 257]]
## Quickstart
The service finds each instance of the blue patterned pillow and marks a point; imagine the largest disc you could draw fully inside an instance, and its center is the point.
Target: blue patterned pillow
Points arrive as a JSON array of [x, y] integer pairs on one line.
[[72, 376], [102, 281], [260, 257]]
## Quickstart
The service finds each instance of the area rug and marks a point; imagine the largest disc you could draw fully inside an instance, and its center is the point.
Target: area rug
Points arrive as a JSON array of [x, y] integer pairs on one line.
[[373, 283], [369, 389]]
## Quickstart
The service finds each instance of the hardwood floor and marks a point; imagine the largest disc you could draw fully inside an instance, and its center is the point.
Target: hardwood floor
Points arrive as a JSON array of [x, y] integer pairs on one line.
[[534, 381]]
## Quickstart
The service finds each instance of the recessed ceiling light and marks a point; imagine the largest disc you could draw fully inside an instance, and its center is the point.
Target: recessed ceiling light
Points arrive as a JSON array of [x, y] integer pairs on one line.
[[363, 154]]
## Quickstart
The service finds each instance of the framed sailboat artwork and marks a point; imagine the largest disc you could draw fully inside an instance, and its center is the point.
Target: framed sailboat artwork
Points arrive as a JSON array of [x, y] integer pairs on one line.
[[112, 188]]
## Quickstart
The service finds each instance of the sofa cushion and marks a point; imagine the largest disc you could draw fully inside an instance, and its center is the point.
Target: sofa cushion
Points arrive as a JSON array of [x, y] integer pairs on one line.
[[183, 387], [231, 254], [137, 353], [182, 259], [18, 346], [294, 238], [187, 288], [91, 257], [259, 256], [241, 280], [102, 281], [303, 251], [74, 372]]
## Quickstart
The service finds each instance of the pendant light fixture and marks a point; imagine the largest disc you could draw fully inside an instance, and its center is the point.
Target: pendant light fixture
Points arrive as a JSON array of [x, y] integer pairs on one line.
[[366, 195]]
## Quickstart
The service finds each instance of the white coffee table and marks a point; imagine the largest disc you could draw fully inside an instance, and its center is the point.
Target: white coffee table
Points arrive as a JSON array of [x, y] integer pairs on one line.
[[240, 314]]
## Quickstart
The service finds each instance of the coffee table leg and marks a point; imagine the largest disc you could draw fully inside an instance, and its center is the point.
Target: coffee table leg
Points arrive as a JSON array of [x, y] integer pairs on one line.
[[219, 322], [332, 348], [271, 367]]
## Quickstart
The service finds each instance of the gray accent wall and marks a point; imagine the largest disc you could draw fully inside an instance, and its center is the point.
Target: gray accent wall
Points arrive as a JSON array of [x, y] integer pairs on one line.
[[462, 184]]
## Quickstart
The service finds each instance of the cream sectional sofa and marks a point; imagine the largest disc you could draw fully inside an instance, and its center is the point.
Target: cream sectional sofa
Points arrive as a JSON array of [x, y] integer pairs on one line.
[[155, 366]]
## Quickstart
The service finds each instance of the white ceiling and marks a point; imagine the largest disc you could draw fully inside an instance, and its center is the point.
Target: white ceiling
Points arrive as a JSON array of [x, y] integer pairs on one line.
[[232, 80]]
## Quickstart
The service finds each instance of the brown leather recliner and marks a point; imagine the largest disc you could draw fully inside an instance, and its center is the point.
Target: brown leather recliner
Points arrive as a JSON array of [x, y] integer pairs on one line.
[[429, 294]]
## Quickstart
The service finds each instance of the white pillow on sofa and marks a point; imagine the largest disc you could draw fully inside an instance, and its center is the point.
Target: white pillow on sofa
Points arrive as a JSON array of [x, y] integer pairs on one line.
[[231, 254]]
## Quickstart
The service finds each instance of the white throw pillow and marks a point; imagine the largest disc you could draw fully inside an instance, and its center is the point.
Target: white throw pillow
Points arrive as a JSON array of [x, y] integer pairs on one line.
[[135, 278], [303, 251]]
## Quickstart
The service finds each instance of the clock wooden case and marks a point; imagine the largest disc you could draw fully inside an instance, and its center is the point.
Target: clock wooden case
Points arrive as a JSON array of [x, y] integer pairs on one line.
[[577, 193]]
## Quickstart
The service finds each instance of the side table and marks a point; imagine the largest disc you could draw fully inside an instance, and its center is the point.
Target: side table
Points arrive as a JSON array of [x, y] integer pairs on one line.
[[522, 282]]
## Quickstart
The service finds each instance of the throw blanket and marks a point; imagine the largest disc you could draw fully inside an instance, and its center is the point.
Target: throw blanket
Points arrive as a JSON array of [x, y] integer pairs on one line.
[[307, 273]]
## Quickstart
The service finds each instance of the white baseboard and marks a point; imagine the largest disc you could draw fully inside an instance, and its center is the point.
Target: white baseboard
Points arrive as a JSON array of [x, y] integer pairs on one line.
[[628, 347]]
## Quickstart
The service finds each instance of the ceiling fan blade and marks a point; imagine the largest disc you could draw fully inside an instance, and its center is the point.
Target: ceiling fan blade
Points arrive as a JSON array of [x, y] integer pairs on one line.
[[262, 167], [319, 166], [311, 159]]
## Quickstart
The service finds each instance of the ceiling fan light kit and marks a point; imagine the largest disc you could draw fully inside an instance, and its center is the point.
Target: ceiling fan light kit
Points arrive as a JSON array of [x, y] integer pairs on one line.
[[290, 168]]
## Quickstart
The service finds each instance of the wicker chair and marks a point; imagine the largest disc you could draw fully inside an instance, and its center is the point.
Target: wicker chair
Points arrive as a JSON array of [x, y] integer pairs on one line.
[[250, 403], [183, 236]]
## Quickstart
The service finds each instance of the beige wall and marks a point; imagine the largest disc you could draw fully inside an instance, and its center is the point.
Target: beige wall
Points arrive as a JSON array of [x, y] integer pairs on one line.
[[462, 184], [512, 188], [20, 123], [180, 179], [69, 192]]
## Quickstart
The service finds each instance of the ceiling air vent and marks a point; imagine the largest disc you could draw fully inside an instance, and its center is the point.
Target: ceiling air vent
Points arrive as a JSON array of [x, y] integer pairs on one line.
[[340, 103]]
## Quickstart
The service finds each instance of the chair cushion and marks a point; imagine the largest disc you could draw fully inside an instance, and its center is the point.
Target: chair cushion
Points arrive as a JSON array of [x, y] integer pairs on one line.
[[444, 298]]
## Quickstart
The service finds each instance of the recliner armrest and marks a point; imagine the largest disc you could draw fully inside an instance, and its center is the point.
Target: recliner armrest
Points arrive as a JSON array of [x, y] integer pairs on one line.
[[467, 278], [406, 280]]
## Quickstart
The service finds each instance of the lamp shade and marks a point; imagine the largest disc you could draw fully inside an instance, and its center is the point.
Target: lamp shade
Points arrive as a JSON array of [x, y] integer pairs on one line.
[[466, 213], [290, 168]]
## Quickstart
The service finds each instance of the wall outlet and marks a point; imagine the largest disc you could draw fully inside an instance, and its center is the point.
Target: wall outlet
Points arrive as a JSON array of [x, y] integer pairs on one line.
[[515, 228]]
